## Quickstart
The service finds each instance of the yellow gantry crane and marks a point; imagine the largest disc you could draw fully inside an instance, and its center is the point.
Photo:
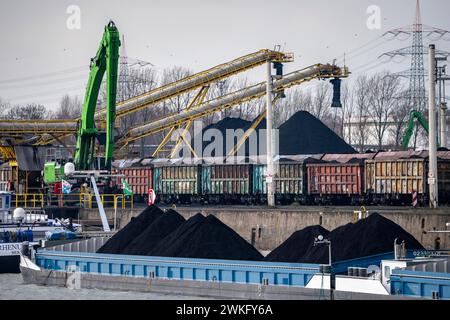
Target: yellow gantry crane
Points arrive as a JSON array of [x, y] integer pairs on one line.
[[318, 71], [55, 130], [52, 130], [152, 97]]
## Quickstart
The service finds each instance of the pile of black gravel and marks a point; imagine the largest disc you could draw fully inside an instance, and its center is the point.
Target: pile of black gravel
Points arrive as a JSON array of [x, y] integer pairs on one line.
[[373, 235], [162, 226], [131, 231], [297, 245], [300, 134], [206, 238], [305, 134], [230, 124]]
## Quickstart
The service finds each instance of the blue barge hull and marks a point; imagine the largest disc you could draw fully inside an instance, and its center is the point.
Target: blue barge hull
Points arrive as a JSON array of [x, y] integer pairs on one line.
[[248, 272]]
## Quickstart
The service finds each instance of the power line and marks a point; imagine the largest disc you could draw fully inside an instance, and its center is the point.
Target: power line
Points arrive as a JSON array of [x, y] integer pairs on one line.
[[39, 84], [352, 54], [47, 93], [44, 75], [54, 100], [362, 69]]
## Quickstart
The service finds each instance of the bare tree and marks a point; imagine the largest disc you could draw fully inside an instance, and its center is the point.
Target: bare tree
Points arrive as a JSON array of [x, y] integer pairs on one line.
[[400, 117], [384, 93], [347, 99], [361, 114], [69, 108], [138, 81], [30, 111], [181, 101], [295, 100], [4, 106], [321, 100]]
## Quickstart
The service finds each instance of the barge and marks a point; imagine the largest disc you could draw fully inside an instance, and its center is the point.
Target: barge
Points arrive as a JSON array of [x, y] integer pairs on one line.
[[77, 265], [22, 230]]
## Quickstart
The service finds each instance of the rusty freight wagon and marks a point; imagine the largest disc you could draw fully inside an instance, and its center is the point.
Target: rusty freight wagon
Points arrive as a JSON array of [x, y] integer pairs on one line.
[[228, 183], [290, 179], [393, 177], [337, 179], [176, 180], [443, 169], [138, 173]]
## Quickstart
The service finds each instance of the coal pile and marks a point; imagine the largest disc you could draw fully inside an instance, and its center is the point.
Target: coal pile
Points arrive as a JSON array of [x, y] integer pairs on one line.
[[300, 134], [305, 134], [133, 229], [184, 231], [231, 124], [373, 235], [162, 226], [297, 245], [206, 238]]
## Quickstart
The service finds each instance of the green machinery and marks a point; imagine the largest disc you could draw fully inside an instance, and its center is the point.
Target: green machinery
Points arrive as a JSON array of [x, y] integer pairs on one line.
[[106, 60], [414, 115], [53, 172]]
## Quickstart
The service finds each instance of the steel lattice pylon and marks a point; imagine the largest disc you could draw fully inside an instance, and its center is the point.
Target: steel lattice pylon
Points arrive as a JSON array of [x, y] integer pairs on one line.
[[123, 75], [416, 74], [417, 98]]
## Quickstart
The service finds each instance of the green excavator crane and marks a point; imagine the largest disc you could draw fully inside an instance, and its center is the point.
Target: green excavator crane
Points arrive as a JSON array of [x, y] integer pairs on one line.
[[410, 128], [105, 61]]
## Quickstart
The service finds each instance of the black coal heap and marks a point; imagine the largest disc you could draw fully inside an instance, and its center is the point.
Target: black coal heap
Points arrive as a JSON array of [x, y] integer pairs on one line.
[[206, 238], [162, 226], [372, 235], [297, 245], [300, 134], [133, 229]]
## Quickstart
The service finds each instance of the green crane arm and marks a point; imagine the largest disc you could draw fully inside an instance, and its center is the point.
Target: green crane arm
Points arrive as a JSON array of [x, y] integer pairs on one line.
[[410, 128], [106, 60]]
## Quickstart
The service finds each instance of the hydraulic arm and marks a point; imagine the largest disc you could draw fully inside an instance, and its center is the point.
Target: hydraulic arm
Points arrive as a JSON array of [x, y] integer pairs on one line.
[[410, 128], [106, 60]]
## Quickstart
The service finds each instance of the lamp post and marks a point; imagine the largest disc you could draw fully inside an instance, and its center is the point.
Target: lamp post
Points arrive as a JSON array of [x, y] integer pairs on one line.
[[320, 240], [432, 147]]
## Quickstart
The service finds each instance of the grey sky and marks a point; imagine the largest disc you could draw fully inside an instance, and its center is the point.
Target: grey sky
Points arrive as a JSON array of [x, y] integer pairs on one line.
[[196, 34]]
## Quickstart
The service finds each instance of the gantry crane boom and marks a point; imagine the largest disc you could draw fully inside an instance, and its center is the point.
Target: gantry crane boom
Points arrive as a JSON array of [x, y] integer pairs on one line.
[[198, 80], [157, 95], [317, 71]]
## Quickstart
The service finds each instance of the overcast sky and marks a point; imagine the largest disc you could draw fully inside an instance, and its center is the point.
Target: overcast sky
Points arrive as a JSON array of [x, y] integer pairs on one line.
[[196, 34]]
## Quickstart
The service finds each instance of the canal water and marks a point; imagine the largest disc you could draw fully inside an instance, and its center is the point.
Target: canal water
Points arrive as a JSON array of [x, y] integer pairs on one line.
[[12, 288]]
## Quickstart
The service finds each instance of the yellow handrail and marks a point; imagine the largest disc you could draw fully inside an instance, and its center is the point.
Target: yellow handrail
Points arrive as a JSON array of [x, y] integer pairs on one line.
[[84, 200]]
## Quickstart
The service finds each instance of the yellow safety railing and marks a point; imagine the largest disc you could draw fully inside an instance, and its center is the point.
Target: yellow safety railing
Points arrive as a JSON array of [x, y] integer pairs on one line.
[[82, 200]]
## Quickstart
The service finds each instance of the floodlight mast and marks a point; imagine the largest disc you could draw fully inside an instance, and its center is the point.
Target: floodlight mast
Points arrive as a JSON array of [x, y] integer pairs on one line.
[[320, 240]]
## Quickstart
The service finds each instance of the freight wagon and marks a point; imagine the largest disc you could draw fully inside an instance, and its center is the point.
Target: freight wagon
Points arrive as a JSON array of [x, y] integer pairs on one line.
[[393, 177], [388, 178], [337, 179], [227, 183], [335, 183], [290, 180], [176, 181], [443, 169], [138, 173]]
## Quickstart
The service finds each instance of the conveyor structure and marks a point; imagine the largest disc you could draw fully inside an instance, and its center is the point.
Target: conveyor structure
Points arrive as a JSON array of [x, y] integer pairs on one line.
[[155, 96], [318, 71], [59, 129]]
